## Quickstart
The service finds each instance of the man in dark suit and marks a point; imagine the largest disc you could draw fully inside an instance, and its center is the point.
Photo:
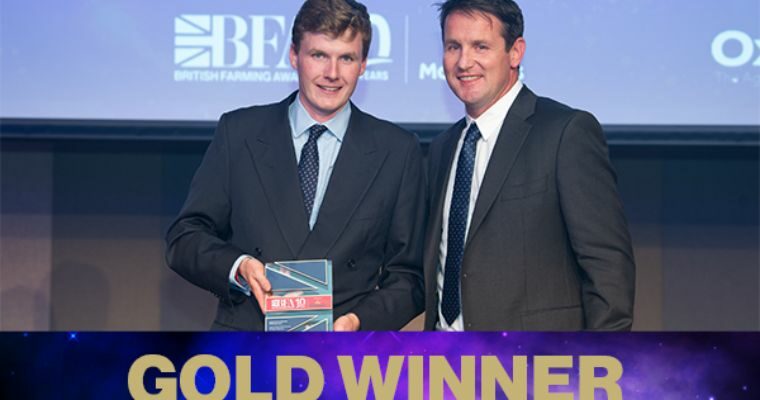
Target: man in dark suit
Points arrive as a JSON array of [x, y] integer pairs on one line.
[[311, 177], [526, 230]]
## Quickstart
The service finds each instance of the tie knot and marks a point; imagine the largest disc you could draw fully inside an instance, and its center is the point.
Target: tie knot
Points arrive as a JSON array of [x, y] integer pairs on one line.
[[316, 130], [473, 133]]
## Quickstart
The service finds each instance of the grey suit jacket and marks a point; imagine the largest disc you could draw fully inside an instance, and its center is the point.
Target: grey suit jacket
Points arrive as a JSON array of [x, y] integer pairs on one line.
[[245, 199], [548, 246]]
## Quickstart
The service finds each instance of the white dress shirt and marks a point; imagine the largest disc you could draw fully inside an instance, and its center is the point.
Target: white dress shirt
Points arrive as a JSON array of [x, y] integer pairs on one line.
[[489, 123]]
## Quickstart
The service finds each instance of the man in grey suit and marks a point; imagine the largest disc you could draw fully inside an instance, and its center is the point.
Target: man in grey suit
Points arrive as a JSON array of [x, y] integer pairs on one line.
[[311, 177], [526, 230]]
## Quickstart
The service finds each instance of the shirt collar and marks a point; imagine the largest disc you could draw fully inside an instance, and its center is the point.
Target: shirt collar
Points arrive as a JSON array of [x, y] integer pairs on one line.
[[301, 121], [489, 123]]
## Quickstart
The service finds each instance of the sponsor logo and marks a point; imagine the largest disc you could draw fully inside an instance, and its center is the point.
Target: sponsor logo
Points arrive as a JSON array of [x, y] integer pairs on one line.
[[734, 48], [434, 72]]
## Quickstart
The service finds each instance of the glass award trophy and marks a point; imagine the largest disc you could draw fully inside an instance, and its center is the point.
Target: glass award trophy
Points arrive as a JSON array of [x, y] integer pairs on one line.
[[301, 297]]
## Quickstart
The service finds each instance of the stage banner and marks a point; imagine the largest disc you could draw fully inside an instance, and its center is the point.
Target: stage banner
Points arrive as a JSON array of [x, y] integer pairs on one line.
[[380, 365]]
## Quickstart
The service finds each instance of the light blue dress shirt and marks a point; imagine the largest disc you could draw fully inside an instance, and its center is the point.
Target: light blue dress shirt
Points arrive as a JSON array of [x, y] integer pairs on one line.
[[328, 146]]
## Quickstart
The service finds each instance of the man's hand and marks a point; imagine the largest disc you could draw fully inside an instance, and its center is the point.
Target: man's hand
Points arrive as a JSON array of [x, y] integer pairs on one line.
[[347, 323], [252, 270]]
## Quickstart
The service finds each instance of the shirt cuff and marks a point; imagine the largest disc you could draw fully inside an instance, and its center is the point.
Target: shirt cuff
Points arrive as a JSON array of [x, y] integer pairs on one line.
[[241, 285]]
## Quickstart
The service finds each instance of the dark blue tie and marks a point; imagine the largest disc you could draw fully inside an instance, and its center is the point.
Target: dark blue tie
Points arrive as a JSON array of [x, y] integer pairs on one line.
[[460, 205], [308, 167]]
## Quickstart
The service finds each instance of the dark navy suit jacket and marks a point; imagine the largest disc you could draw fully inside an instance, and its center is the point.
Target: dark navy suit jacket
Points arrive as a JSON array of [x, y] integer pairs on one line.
[[245, 198]]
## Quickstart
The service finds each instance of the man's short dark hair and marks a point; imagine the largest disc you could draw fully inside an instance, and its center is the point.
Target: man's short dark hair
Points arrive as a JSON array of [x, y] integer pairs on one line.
[[507, 11], [333, 18]]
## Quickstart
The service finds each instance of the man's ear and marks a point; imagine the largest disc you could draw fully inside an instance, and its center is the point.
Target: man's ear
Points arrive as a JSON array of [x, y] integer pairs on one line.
[[293, 56], [517, 52]]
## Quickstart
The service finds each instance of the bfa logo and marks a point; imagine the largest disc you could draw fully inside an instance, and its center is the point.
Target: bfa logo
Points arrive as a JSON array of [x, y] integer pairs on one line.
[[747, 47], [381, 32], [201, 40], [233, 41]]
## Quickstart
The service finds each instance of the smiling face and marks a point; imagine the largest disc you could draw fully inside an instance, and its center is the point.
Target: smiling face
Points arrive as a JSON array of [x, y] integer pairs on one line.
[[478, 66], [328, 69]]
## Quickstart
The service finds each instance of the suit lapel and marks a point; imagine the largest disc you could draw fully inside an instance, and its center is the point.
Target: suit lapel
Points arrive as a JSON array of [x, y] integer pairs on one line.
[[513, 132], [358, 163], [440, 169], [443, 171], [273, 154]]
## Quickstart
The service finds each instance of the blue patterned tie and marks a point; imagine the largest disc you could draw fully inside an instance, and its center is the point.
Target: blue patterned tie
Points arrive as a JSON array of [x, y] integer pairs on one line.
[[308, 167], [460, 205]]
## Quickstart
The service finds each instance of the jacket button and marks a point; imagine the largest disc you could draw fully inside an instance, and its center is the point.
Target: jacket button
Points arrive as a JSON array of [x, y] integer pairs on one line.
[[464, 276], [257, 252], [351, 264]]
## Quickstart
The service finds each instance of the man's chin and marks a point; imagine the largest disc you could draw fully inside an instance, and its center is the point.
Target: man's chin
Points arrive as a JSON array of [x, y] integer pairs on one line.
[[466, 96], [470, 101], [332, 107]]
